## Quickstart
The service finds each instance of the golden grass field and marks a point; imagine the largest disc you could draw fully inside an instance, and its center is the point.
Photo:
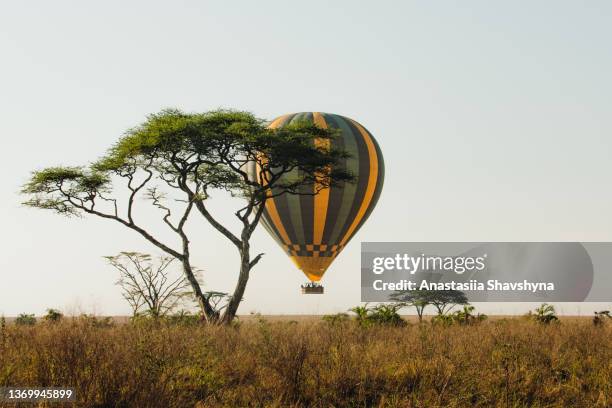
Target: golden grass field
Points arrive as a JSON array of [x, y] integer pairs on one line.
[[309, 363]]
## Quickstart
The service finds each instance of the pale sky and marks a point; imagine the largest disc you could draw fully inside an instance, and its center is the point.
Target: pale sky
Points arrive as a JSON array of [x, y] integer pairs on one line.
[[494, 119]]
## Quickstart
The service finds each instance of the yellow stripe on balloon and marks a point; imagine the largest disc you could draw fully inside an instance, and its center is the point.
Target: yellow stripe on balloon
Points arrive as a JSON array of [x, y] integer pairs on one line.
[[271, 206], [278, 121], [275, 218], [371, 187]]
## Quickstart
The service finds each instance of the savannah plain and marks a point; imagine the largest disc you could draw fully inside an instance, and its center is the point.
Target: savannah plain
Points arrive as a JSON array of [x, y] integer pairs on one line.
[[309, 362]]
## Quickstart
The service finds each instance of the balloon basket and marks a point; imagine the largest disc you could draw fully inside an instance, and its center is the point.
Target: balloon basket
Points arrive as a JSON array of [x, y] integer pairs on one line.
[[312, 288]]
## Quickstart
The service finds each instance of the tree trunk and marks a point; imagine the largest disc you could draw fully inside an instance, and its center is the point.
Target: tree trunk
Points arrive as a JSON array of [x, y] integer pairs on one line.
[[420, 314], [243, 278], [210, 315]]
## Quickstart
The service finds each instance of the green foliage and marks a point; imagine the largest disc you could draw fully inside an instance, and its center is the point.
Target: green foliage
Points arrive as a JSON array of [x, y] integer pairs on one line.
[[381, 314], [208, 148], [443, 319], [419, 299], [442, 300], [163, 132], [211, 147], [362, 313], [445, 300], [25, 319], [53, 316], [387, 314], [60, 188], [465, 316], [544, 314]]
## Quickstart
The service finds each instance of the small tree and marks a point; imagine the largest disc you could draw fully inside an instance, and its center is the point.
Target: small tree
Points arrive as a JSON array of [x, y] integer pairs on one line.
[[387, 314], [149, 288], [53, 316], [544, 314], [419, 299], [445, 300], [362, 313], [600, 317], [384, 313], [466, 315], [25, 319]]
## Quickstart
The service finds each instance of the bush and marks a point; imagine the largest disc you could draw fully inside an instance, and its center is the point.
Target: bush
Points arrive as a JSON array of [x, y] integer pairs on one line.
[[443, 319], [387, 314], [25, 319], [544, 314], [382, 314], [600, 317], [465, 316], [53, 316]]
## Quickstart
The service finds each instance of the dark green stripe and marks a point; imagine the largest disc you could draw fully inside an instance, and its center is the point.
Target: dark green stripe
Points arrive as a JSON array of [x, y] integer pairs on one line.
[[267, 223], [362, 177], [380, 179], [305, 200], [293, 201], [350, 194], [295, 214], [281, 201]]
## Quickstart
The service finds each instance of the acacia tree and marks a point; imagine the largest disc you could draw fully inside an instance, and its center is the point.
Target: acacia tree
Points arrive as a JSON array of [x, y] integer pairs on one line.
[[442, 300], [445, 300], [419, 299], [188, 156]]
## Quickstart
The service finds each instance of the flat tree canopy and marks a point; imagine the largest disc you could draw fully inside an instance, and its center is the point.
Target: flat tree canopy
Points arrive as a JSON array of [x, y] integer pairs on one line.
[[442, 300], [193, 154]]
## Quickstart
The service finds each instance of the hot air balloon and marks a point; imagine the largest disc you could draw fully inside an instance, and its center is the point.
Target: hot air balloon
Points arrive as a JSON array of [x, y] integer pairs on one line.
[[314, 229]]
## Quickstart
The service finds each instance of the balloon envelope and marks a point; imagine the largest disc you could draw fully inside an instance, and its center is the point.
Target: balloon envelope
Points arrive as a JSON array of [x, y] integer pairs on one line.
[[313, 229]]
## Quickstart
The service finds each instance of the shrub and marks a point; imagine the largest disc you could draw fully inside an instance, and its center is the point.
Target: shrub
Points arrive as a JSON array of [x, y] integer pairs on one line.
[[53, 316], [25, 319], [362, 313], [600, 317], [387, 314], [443, 319], [544, 314], [384, 314], [465, 316]]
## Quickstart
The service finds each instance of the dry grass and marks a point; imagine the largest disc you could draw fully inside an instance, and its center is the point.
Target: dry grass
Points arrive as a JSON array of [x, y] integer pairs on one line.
[[501, 363]]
